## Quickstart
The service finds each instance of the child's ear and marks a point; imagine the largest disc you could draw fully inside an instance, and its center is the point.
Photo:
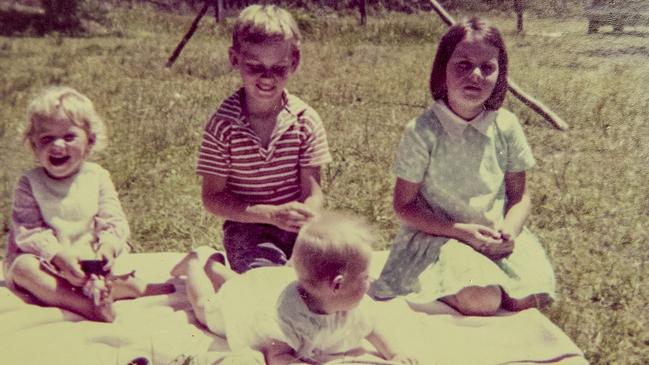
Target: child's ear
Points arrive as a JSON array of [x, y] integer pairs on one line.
[[296, 61], [337, 283], [233, 55], [91, 143]]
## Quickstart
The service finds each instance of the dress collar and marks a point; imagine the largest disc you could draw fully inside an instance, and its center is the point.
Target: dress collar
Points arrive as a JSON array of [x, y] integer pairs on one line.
[[455, 125]]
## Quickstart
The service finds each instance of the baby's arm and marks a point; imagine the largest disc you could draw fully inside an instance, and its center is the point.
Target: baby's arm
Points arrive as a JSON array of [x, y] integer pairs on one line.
[[111, 226], [280, 353], [387, 350], [217, 200]]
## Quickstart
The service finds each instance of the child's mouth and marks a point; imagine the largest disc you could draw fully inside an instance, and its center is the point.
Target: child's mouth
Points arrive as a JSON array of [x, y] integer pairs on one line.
[[265, 88], [58, 161]]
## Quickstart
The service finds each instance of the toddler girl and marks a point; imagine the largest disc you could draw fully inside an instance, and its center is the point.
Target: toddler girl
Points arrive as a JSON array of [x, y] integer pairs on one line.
[[461, 190], [67, 210]]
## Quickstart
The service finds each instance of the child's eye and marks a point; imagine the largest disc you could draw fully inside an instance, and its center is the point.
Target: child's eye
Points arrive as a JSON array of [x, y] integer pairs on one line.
[[255, 69], [463, 66], [69, 137], [487, 68], [279, 70], [45, 140]]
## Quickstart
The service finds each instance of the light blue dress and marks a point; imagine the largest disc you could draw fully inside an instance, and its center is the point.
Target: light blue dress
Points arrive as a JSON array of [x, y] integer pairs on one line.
[[462, 167]]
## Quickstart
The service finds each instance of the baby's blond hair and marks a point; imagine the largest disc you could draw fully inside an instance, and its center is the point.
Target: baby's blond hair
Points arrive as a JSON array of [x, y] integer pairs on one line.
[[259, 24], [65, 103], [329, 245]]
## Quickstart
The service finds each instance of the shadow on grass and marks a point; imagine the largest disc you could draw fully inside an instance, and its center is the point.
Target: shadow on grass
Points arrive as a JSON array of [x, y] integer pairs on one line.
[[19, 23]]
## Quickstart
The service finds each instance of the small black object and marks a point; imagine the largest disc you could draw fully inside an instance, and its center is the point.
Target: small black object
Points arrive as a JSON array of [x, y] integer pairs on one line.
[[140, 361], [94, 267]]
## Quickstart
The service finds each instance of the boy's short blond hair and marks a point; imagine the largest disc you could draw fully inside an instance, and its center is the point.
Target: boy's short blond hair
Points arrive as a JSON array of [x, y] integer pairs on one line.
[[329, 245], [65, 103], [259, 24]]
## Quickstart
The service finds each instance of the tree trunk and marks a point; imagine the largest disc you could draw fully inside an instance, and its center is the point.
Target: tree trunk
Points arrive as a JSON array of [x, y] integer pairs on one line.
[[519, 8], [363, 10]]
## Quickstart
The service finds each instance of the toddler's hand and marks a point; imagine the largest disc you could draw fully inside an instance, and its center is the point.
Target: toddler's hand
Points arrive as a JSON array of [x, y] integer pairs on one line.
[[405, 359], [107, 253], [69, 268], [291, 216]]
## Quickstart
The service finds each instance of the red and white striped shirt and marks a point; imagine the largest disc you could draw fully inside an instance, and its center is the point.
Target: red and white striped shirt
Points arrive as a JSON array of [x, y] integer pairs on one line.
[[255, 174]]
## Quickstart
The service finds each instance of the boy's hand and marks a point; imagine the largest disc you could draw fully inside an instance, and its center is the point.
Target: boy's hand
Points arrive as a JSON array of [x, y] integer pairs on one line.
[[485, 240], [69, 268], [291, 216], [405, 359]]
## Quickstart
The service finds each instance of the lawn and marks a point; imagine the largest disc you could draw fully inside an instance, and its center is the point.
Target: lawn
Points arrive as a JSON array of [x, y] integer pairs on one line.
[[591, 199]]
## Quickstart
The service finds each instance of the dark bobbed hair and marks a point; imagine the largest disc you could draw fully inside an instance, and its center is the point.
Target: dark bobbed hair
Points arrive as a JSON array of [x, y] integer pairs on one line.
[[456, 34]]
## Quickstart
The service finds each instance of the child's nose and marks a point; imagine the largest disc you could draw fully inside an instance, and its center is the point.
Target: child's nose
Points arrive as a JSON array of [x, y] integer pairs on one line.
[[59, 143], [476, 72], [267, 74]]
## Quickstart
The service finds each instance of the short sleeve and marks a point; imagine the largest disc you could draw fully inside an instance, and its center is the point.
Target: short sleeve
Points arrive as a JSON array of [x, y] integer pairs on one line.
[[214, 156], [413, 155], [314, 148], [519, 153]]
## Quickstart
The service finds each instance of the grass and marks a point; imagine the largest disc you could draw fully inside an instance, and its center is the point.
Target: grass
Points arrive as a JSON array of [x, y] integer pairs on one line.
[[589, 188]]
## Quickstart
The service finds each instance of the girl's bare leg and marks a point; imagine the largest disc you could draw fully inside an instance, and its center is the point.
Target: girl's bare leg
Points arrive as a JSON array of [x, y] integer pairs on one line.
[[57, 292], [475, 300], [532, 301]]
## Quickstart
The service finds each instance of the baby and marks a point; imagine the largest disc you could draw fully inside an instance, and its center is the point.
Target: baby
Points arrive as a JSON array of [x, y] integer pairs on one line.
[[310, 313]]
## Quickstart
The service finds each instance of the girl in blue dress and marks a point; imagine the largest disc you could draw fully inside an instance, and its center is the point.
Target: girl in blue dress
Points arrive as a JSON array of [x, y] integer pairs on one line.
[[461, 190]]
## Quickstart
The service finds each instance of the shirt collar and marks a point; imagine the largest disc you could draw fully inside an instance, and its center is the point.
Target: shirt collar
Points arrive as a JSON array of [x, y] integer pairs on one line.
[[455, 125], [233, 109]]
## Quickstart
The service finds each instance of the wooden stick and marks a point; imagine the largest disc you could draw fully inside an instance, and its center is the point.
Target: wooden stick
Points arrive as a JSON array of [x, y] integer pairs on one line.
[[521, 95], [188, 35], [362, 7]]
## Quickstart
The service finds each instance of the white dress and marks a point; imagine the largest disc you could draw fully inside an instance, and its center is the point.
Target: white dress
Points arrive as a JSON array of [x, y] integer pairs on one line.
[[462, 167]]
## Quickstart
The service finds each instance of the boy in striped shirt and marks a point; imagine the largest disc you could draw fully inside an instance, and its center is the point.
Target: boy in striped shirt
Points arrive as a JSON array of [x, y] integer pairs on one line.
[[262, 150]]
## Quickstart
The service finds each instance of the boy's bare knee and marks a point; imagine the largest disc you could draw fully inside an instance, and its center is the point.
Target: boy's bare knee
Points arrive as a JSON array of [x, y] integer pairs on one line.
[[479, 301]]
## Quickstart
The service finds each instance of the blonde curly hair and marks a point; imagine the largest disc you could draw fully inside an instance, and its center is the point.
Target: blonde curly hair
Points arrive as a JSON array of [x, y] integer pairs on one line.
[[65, 103]]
